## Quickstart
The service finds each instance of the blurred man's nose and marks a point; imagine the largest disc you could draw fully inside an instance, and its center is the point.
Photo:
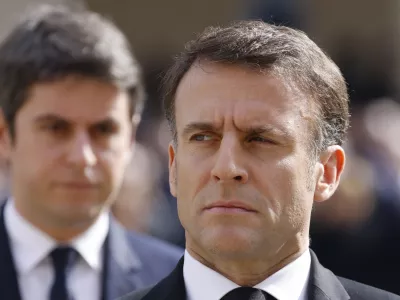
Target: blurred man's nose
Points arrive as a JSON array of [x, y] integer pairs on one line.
[[81, 153]]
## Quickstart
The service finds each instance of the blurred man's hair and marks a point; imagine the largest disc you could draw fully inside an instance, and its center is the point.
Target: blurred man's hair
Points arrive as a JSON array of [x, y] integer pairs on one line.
[[281, 51], [54, 42]]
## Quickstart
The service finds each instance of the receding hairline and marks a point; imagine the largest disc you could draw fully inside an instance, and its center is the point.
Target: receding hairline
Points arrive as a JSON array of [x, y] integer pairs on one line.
[[308, 108], [290, 85], [288, 52]]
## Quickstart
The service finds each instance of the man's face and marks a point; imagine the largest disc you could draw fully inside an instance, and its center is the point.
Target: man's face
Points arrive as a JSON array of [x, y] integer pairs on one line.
[[72, 142], [242, 171]]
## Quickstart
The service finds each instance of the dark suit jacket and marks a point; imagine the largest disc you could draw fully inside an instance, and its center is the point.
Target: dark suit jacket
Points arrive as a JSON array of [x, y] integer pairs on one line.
[[131, 261], [323, 285]]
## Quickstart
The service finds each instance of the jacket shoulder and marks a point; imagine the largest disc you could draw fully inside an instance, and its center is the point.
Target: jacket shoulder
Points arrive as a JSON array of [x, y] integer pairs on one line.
[[360, 291], [158, 257], [154, 247]]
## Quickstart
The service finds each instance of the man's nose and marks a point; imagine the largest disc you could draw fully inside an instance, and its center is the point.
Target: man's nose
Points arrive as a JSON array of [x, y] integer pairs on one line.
[[229, 163], [81, 152]]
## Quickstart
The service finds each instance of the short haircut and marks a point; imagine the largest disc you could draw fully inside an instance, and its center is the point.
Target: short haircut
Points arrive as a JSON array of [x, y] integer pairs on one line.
[[283, 51], [54, 42]]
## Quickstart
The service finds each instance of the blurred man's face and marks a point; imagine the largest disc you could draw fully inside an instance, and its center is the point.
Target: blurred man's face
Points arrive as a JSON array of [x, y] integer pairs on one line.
[[242, 170], [72, 143]]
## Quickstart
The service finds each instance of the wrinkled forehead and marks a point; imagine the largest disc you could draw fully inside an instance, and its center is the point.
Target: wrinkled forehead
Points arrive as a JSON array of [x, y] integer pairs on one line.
[[220, 93]]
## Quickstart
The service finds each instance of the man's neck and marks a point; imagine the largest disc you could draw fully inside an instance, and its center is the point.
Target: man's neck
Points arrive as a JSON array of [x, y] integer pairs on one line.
[[58, 232], [251, 271], [62, 234]]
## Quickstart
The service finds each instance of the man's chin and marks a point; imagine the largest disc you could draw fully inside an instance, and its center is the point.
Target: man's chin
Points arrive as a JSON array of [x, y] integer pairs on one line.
[[230, 242], [78, 213]]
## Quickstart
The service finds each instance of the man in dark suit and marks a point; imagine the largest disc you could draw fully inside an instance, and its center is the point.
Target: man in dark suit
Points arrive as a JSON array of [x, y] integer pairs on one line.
[[259, 114], [71, 97]]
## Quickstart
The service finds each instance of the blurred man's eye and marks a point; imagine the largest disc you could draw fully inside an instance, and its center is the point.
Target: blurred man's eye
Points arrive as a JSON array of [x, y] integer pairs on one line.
[[104, 129], [56, 127]]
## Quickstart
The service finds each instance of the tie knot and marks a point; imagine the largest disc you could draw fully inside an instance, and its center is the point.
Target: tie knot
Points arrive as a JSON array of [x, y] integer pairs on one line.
[[247, 293], [62, 257]]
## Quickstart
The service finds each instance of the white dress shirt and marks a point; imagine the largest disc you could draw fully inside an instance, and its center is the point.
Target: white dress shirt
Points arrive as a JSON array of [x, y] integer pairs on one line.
[[289, 283], [31, 248]]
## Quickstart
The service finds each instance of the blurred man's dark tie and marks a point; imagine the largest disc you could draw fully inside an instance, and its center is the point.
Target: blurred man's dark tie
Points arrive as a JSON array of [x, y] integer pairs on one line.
[[62, 258]]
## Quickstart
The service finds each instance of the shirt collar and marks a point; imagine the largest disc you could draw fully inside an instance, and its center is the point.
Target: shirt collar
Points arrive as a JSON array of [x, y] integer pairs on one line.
[[90, 243], [31, 245], [290, 282], [287, 284]]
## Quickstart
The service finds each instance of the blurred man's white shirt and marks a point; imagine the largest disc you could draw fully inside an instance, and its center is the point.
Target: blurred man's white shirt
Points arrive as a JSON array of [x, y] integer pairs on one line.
[[30, 249]]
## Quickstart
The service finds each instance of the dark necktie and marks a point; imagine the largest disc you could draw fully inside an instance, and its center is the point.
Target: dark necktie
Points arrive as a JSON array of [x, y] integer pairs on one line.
[[247, 293], [62, 258]]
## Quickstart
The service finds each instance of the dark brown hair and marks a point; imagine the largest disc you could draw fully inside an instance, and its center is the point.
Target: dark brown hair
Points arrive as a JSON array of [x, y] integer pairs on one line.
[[284, 51], [53, 42]]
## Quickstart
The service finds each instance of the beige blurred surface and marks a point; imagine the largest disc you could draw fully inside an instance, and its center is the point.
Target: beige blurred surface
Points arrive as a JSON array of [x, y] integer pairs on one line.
[[160, 28]]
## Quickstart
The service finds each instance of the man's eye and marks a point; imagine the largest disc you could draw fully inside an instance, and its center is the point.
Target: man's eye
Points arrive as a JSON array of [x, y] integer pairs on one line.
[[105, 129], [56, 127], [260, 139], [201, 137]]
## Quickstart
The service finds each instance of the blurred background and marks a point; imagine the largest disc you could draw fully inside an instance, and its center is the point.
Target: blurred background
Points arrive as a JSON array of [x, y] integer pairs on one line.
[[357, 233]]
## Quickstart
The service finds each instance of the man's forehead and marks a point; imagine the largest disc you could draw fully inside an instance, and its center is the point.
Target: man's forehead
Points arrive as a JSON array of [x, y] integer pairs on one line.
[[209, 82], [243, 115], [86, 104]]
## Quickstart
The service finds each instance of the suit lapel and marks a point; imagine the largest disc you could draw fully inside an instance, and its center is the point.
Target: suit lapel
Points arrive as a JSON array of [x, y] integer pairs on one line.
[[9, 288], [121, 264], [324, 285], [170, 288]]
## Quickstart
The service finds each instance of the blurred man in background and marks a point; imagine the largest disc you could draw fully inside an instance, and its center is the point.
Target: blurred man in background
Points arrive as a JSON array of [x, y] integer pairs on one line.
[[71, 98]]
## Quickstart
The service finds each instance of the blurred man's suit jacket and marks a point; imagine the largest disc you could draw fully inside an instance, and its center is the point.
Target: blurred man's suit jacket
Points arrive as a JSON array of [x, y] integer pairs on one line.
[[131, 261]]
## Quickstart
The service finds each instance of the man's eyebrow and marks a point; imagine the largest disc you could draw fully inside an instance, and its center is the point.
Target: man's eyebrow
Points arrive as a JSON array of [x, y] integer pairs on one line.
[[250, 130], [49, 118], [57, 118], [198, 126], [267, 129], [258, 129], [107, 120]]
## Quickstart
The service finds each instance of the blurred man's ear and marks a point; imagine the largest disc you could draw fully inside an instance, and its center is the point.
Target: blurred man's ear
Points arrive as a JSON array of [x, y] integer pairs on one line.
[[135, 124], [6, 142], [330, 168]]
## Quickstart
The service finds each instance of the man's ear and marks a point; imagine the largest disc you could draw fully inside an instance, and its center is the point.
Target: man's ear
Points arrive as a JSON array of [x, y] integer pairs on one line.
[[330, 168], [136, 118], [5, 138], [172, 169], [130, 151]]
